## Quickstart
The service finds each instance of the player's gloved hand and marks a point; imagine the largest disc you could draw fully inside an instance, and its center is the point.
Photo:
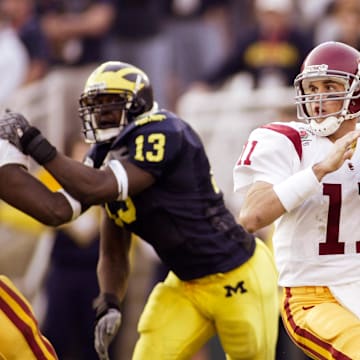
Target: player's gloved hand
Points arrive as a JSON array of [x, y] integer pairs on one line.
[[28, 139], [12, 127], [108, 320]]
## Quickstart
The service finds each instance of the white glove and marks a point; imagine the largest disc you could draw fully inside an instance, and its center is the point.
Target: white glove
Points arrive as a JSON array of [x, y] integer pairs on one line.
[[108, 320], [105, 331]]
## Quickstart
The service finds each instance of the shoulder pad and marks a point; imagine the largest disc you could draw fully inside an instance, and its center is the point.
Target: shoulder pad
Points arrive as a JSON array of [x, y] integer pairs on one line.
[[290, 132], [140, 121]]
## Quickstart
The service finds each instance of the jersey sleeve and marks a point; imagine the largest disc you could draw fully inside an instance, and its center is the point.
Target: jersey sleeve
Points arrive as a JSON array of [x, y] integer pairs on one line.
[[154, 148], [9, 154], [267, 156]]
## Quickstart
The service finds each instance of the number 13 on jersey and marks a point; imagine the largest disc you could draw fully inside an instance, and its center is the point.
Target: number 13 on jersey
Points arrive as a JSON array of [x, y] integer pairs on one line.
[[157, 140]]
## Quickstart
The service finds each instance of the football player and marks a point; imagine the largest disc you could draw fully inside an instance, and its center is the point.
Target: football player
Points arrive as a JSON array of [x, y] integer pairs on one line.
[[20, 336], [222, 280], [305, 176]]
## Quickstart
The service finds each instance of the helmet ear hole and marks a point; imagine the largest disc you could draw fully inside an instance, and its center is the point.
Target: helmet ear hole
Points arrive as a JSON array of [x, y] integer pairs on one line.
[[137, 107]]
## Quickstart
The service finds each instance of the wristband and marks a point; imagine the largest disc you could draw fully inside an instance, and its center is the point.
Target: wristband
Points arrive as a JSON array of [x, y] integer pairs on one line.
[[293, 191], [75, 205], [37, 146], [104, 302], [121, 178]]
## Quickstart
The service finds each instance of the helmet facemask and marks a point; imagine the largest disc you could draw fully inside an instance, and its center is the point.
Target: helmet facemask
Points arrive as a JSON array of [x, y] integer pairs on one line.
[[115, 94], [349, 96], [104, 115]]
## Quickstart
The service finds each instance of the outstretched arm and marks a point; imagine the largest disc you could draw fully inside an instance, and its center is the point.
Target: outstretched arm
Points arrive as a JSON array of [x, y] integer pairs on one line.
[[88, 185], [93, 186], [23, 191]]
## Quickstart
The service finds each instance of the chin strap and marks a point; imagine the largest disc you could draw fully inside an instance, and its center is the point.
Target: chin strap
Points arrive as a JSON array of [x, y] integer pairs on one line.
[[327, 126]]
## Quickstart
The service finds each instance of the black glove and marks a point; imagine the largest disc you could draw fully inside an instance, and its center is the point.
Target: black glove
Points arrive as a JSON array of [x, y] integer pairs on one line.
[[28, 139], [108, 320]]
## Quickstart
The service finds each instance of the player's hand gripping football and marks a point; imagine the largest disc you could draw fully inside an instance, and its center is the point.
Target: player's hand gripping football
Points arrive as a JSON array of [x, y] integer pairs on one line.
[[28, 139], [108, 320]]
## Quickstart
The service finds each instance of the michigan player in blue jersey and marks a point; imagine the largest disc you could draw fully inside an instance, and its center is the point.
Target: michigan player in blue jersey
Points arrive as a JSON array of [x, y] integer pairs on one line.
[[150, 171]]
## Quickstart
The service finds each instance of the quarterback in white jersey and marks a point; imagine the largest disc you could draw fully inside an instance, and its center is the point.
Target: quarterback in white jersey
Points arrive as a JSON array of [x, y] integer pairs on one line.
[[304, 245], [305, 177]]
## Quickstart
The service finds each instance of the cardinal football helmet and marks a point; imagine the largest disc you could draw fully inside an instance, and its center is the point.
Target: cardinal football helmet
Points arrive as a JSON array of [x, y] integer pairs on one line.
[[341, 63], [114, 94]]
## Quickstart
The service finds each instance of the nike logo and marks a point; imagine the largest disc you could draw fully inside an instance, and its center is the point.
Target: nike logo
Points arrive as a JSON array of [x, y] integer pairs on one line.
[[307, 307]]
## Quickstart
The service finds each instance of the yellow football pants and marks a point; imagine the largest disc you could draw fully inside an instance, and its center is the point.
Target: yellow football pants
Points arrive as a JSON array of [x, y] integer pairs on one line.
[[20, 337], [319, 325], [240, 306]]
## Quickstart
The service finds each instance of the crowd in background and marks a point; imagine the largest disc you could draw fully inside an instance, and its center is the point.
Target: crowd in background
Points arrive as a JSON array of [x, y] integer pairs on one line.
[[178, 42], [183, 45]]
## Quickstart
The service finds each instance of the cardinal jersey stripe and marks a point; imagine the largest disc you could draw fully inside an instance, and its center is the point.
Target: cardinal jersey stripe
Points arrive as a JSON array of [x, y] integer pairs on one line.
[[290, 133], [310, 343]]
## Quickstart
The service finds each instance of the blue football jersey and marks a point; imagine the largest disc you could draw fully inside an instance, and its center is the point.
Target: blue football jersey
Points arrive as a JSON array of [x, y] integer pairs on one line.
[[182, 215]]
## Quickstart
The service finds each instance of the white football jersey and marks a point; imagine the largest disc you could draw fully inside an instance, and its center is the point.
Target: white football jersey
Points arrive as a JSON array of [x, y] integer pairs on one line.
[[318, 243], [9, 154]]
